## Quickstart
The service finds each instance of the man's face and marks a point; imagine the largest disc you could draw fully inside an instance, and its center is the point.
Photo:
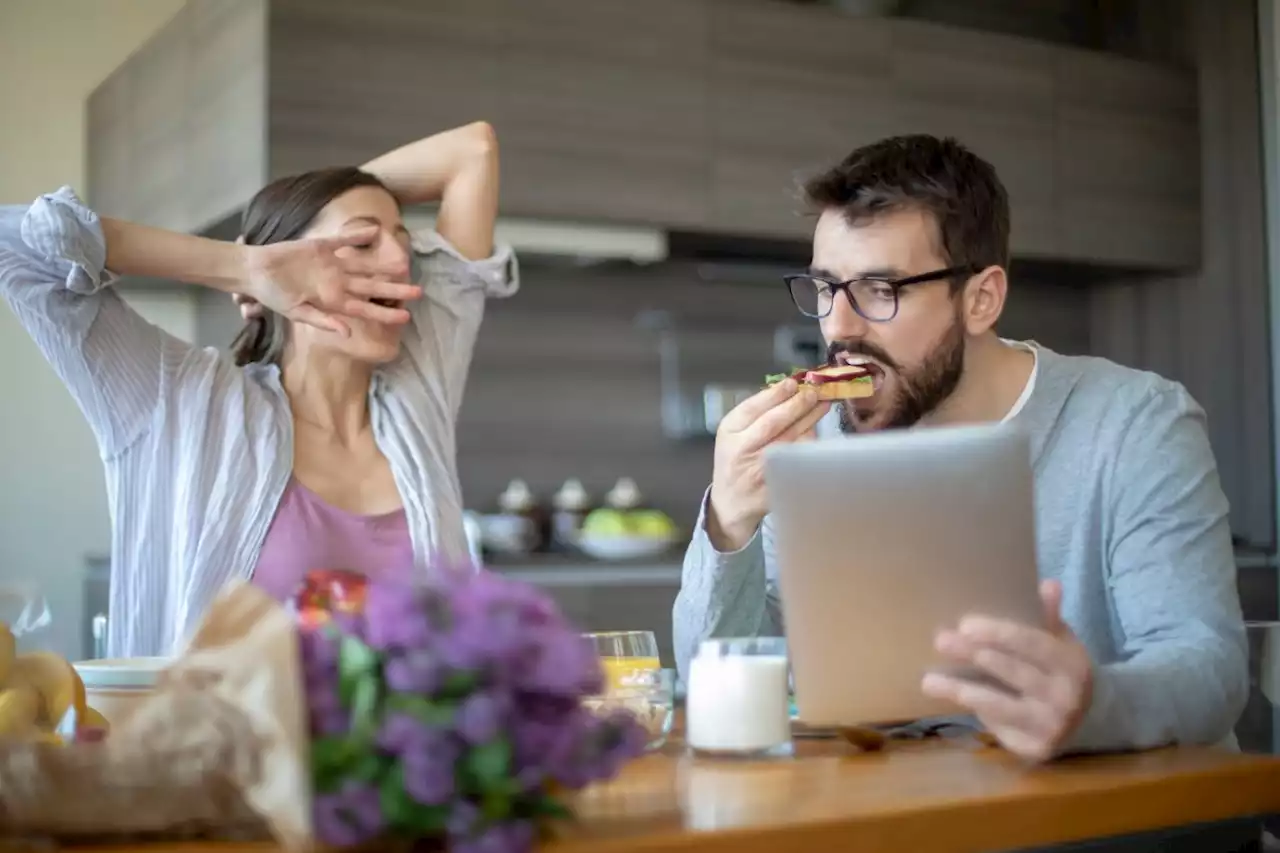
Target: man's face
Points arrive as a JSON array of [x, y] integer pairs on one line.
[[918, 356]]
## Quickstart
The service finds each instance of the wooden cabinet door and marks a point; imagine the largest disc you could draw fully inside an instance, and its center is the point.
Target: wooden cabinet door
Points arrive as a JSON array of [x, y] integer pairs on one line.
[[1128, 154]]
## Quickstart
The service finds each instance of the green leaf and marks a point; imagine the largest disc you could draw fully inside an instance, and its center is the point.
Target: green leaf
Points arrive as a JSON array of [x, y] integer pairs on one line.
[[370, 767], [436, 714], [329, 752], [428, 821], [460, 684], [331, 762], [405, 815], [549, 808], [501, 801], [489, 764], [775, 378], [364, 707], [397, 808], [495, 805], [356, 661]]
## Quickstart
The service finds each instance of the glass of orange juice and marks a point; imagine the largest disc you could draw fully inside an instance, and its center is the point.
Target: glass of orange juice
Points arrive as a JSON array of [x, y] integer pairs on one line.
[[624, 654]]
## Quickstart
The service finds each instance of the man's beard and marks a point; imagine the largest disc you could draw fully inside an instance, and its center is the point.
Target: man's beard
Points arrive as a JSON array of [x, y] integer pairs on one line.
[[917, 392]]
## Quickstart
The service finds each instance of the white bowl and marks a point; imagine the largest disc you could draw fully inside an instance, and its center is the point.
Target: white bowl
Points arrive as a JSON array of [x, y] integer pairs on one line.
[[121, 673], [624, 547], [115, 687]]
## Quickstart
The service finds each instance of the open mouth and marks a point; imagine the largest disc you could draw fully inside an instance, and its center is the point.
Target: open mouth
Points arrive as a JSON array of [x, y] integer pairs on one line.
[[870, 365]]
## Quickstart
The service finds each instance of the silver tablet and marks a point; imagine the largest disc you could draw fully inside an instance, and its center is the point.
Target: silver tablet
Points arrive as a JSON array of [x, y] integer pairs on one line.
[[883, 539]]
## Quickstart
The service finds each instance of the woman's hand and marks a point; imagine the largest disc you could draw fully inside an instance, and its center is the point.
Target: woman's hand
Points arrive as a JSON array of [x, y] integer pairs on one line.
[[314, 281]]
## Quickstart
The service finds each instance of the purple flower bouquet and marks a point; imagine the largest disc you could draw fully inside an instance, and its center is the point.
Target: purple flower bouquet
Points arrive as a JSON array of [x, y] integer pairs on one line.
[[448, 716]]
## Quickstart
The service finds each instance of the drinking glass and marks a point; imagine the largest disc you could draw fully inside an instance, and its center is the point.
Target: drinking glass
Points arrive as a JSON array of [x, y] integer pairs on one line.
[[625, 654], [649, 695], [737, 700]]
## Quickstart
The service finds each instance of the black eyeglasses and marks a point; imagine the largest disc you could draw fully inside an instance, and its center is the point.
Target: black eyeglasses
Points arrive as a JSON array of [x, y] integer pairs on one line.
[[874, 298]]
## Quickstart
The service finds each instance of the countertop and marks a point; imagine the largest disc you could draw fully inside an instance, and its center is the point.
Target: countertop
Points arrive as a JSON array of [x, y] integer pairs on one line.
[[579, 570], [942, 796]]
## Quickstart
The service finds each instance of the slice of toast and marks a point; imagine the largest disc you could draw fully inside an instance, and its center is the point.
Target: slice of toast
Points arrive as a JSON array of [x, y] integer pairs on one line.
[[854, 389]]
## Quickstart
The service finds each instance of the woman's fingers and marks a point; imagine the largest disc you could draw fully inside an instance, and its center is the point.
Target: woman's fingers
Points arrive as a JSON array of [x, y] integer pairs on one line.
[[375, 288], [377, 313]]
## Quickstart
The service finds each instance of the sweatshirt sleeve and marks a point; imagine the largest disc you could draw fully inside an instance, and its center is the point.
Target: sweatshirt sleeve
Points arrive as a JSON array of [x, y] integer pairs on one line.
[[732, 594], [1183, 674]]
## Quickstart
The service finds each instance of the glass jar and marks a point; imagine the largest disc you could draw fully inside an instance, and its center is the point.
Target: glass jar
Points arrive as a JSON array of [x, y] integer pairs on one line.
[[738, 702]]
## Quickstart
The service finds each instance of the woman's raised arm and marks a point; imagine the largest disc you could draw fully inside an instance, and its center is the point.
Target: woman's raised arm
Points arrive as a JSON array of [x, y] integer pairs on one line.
[[459, 169], [57, 259]]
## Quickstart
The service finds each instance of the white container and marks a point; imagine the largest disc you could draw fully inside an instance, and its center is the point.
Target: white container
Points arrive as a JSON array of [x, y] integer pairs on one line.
[[737, 702], [115, 686]]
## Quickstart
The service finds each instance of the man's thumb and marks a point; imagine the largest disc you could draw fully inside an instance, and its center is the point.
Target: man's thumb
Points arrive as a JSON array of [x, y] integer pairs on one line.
[[1051, 597]]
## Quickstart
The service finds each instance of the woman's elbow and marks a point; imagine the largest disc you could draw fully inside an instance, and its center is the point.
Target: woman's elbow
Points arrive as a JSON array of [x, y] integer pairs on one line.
[[484, 140]]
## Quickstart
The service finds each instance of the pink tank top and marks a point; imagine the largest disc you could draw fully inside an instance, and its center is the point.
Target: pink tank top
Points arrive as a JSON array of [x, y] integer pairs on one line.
[[307, 533]]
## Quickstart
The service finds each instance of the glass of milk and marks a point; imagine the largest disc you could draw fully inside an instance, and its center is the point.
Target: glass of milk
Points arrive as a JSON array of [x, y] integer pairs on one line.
[[737, 701]]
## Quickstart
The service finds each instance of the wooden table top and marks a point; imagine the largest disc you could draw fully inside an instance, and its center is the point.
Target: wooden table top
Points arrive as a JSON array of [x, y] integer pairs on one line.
[[941, 796]]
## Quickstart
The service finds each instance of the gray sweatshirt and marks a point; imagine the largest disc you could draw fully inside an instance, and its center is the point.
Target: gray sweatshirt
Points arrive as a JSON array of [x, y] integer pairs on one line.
[[1130, 516]]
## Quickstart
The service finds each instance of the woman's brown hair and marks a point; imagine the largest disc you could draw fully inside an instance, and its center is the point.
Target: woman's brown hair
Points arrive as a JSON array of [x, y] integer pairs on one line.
[[283, 210]]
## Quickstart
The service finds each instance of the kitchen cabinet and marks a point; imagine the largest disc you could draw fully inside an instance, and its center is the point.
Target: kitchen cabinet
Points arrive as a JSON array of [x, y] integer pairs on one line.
[[606, 110], [176, 135], [685, 114], [791, 90], [996, 94], [1128, 161]]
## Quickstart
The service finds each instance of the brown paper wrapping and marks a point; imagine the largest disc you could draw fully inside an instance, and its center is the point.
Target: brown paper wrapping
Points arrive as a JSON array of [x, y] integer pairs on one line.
[[220, 749]]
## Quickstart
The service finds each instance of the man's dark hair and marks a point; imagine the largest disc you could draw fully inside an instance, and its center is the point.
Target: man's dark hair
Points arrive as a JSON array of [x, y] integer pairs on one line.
[[920, 172]]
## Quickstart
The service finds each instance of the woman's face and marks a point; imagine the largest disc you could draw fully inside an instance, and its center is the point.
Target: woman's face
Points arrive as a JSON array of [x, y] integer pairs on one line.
[[370, 342]]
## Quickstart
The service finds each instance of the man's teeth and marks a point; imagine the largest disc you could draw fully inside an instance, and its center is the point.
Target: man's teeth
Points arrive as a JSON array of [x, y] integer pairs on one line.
[[856, 360]]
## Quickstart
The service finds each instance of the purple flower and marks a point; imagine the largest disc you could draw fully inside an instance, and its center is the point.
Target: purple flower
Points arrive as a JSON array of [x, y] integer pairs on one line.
[[352, 624], [531, 779], [417, 671], [586, 748], [330, 724], [532, 741], [395, 617], [472, 659], [319, 650], [350, 817], [546, 708], [492, 624], [481, 716], [428, 760], [565, 665], [429, 782], [327, 716], [399, 732], [462, 819]]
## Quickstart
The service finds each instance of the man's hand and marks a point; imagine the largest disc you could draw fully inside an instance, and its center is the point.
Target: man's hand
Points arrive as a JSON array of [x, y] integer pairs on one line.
[[784, 412], [1048, 671]]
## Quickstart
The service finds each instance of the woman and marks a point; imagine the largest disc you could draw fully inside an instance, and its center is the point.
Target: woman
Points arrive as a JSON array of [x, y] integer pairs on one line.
[[329, 441]]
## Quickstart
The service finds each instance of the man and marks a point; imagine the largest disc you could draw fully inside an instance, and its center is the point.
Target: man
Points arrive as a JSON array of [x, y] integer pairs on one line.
[[1145, 643]]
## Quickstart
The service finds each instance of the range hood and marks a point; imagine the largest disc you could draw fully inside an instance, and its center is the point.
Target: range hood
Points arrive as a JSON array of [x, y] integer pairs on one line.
[[580, 241]]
